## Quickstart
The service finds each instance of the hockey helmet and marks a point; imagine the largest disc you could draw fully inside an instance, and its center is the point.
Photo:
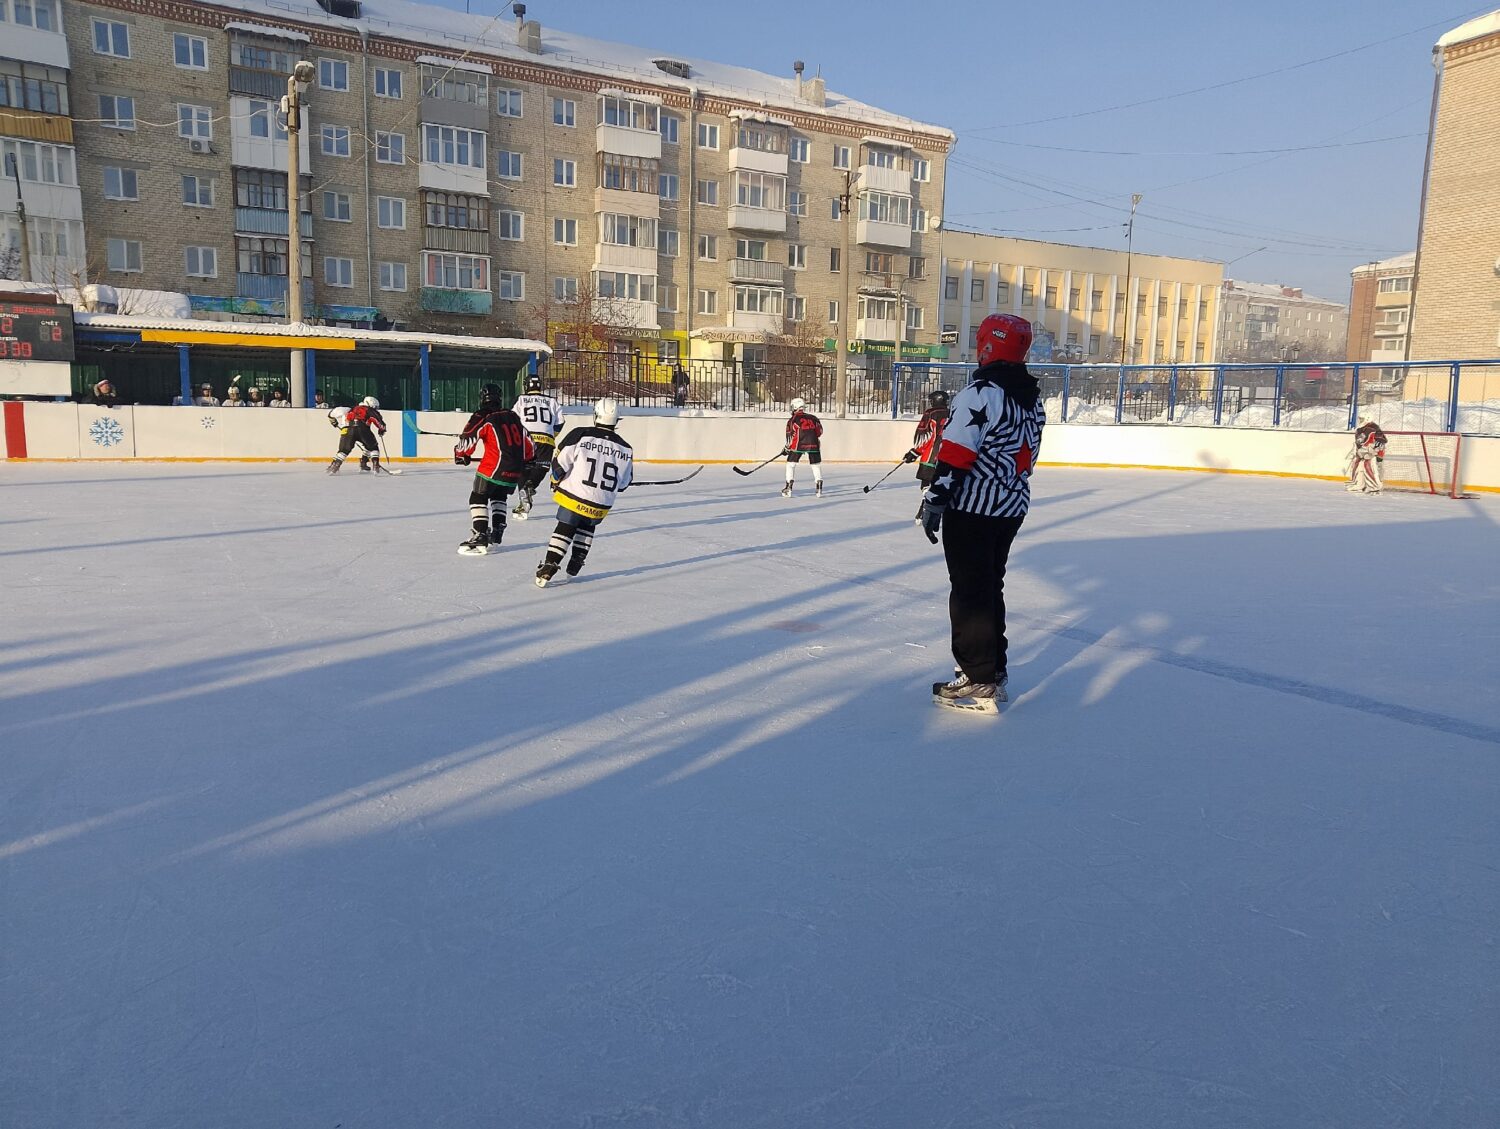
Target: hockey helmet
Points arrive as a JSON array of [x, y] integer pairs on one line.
[[490, 394], [606, 413], [533, 383], [798, 404], [370, 402], [1004, 338], [938, 399]]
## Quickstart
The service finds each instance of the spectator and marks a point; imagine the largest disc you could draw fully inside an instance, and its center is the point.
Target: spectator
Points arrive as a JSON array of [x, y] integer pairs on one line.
[[255, 398], [319, 401], [104, 395], [232, 398], [279, 400], [179, 401], [680, 383], [206, 397]]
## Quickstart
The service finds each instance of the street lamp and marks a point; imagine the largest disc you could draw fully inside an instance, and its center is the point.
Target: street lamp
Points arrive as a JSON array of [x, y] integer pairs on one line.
[[297, 84], [13, 166], [841, 372]]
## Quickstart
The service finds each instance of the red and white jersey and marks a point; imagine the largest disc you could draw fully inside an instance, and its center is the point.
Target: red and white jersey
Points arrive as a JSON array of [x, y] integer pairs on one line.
[[370, 416], [541, 415], [592, 468], [929, 434], [507, 447]]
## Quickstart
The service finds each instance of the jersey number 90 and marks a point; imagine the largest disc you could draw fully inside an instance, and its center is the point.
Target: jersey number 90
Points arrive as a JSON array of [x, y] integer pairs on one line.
[[538, 413]]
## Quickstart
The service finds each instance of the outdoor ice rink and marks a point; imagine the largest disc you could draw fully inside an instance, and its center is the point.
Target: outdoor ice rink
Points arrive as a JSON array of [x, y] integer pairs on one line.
[[307, 821]]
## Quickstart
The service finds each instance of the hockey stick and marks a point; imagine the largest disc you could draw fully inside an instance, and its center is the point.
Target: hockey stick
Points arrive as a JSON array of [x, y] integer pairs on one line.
[[757, 466], [447, 434], [670, 481], [884, 476], [381, 440]]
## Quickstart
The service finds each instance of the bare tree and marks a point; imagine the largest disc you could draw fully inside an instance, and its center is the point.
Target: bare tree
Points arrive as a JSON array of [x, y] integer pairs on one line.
[[10, 262]]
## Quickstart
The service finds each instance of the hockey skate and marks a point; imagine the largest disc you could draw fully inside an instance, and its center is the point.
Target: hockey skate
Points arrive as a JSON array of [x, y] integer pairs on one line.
[[963, 694], [818, 488], [575, 566], [333, 467], [544, 574], [364, 464], [523, 507], [476, 546], [786, 491]]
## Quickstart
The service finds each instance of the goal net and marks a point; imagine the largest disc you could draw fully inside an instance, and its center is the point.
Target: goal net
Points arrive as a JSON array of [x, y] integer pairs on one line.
[[1424, 461]]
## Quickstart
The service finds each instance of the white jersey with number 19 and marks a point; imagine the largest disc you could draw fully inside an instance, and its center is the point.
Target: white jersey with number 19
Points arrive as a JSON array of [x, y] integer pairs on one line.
[[541, 415], [592, 468]]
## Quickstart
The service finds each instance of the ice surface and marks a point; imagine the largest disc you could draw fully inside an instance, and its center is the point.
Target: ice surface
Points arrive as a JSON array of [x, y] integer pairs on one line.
[[308, 821]]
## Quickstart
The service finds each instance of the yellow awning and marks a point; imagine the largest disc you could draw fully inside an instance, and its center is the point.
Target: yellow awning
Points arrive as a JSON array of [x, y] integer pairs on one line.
[[249, 340]]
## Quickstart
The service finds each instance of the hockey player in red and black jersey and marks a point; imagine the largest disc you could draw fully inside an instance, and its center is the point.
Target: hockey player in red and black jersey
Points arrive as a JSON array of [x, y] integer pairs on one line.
[[1366, 459], [927, 440], [592, 468], [804, 436], [978, 500], [360, 425], [504, 449]]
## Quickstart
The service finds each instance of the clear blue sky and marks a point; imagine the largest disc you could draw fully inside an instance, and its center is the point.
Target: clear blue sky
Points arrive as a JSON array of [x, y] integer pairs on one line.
[[1318, 213]]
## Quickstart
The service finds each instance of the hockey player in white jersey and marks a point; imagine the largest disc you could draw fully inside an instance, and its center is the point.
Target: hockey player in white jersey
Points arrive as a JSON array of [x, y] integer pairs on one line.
[[591, 469], [542, 416]]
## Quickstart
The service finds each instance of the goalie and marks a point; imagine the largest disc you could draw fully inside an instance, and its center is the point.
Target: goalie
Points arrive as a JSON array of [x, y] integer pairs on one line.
[[1365, 459]]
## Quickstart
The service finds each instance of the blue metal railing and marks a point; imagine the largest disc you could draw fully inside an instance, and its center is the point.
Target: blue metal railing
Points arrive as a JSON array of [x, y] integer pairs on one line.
[[1444, 395]]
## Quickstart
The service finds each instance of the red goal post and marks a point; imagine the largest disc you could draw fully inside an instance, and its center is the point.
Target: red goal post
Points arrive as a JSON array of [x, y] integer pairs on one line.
[[1422, 461]]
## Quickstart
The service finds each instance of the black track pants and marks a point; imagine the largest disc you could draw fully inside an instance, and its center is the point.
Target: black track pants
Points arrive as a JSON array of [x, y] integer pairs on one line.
[[977, 549]]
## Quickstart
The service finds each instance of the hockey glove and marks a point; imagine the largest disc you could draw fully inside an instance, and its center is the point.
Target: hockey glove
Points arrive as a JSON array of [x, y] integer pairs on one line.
[[909, 457], [461, 460], [932, 518]]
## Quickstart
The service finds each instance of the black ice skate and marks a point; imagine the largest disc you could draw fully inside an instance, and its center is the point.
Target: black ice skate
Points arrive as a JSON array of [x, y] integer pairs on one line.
[[544, 574], [964, 694], [476, 546], [523, 508], [333, 467], [575, 566], [818, 488], [786, 491]]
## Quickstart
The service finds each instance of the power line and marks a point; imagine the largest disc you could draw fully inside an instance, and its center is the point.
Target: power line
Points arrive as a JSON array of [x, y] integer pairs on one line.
[[1207, 153]]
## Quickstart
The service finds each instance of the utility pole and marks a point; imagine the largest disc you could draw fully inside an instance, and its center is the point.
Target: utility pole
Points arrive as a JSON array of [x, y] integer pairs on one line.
[[297, 84], [841, 372], [15, 171], [1125, 345]]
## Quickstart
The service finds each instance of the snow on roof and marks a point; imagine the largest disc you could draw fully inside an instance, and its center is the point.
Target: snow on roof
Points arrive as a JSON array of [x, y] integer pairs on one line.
[[267, 30], [1407, 261], [872, 139], [633, 95], [279, 329], [1276, 291], [764, 119], [456, 64], [1474, 29], [495, 37]]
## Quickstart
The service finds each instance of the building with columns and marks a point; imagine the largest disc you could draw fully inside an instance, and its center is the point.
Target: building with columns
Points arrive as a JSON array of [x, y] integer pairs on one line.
[[1084, 303]]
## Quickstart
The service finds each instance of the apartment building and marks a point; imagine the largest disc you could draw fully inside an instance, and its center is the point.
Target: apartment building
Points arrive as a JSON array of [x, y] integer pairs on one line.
[[1457, 272], [37, 145], [473, 175], [1380, 309], [1270, 322], [1084, 303]]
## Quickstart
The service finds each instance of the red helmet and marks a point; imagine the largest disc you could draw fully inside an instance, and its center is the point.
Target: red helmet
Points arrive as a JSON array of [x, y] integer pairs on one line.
[[1004, 337]]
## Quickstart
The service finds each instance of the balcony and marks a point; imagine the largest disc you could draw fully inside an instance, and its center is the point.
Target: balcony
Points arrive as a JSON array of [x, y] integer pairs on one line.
[[628, 142], [615, 259], [257, 83], [442, 300], [647, 204], [757, 160], [268, 221], [876, 329], [625, 313], [874, 178], [452, 178], [769, 220], [879, 233], [755, 323], [36, 126], [456, 239], [756, 270], [29, 45]]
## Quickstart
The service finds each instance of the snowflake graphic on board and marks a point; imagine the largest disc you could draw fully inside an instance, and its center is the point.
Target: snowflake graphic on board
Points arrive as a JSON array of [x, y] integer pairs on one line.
[[208, 422], [106, 432]]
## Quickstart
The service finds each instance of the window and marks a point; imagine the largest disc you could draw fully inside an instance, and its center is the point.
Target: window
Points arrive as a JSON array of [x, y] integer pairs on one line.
[[670, 126], [111, 38], [1096, 300], [1093, 344], [190, 52], [449, 209], [453, 85], [197, 191], [708, 192], [950, 289], [627, 113], [336, 140], [508, 103], [877, 309], [564, 112], [333, 75], [116, 111], [841, 156], [1051, 297], [916, 317], [668, 352], [918, 220], [201, 262], [796, 308], [512, 285], [796, 203], [449, 145], [40, 162], [833, 313], [390, 213], [1394, 285], [799, 149], [510, 225], [40, 14], [751, 249], [627, 231], [393, 276], [338, 272], [666, 298], [1028, 295], [1002, 293], [708, 301], [796, 256], [388, 85], [834, 259], [708, 138], [708, 247], [268, 257], [627, 174], [338, 206], [195, 122], [760, 190], [255, 188], [758, 299], [565, 232], [885, 207], [1073, 296], [634, 287], [837, 212], [455, 272], [916, 267], [973, 338], [508, 165], [880, 158], [564, 173], [667, 242], [565, 289], [668, 186], [124, 255], [263, 121], [390, 148], [120, 184], [921, 170], [33, 91], [878, 262]]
